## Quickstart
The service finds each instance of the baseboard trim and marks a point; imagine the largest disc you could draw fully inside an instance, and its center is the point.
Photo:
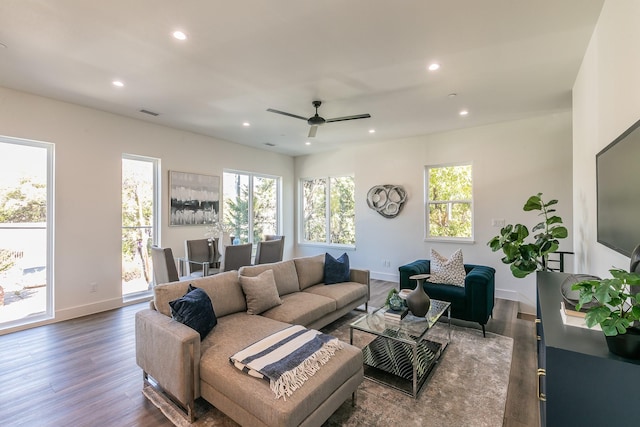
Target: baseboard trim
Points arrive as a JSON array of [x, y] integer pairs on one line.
[[507, 294], [85, 310], [388, 277]]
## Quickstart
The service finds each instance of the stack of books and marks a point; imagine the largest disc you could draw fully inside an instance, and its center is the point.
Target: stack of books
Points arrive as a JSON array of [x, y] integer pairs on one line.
[[574, 318], [395, 315], [571, 311]]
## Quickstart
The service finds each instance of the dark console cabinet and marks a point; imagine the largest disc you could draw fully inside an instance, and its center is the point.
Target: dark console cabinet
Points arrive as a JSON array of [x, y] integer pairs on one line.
[[580, 382]]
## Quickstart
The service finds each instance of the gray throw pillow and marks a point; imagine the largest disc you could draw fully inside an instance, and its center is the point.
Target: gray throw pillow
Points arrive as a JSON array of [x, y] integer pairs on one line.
[[260, 291]]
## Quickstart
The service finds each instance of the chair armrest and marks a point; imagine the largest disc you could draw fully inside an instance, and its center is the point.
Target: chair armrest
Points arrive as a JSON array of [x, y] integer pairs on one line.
[[170, 352], [480, 290], [421, 266], [361, 276]]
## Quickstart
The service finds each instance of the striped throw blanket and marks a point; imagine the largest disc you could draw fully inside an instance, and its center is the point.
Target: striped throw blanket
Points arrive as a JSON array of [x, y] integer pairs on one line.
[[287, 358]]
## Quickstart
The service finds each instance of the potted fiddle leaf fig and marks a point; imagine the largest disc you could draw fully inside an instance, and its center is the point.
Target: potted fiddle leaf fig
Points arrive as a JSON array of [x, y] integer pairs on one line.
[[525, 256], [616, 308]]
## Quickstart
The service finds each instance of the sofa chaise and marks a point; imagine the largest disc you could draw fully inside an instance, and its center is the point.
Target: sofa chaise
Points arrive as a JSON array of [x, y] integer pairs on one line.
[[186, 368], [473, 302]]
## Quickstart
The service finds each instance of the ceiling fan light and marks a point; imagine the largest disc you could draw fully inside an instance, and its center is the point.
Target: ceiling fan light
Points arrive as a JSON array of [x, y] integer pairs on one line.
[[316, 120]]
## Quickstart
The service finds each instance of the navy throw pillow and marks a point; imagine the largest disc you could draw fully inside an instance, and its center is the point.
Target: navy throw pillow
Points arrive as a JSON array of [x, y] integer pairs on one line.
[[336, 270], [195, 310]]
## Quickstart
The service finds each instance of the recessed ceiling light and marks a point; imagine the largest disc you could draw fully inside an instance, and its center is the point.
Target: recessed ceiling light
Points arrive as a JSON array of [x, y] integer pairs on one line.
[[3, 46], [372, 131], [464, 113], [452, 95], [434, 67], [246, 124], [307, 143], [179, 35], [117, 83]]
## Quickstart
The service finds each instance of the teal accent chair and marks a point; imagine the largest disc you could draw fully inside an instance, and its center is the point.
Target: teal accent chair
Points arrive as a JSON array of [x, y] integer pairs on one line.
[[473, 302]]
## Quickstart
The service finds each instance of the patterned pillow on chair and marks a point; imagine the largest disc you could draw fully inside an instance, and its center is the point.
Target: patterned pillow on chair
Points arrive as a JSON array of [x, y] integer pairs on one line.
[[447, 271]]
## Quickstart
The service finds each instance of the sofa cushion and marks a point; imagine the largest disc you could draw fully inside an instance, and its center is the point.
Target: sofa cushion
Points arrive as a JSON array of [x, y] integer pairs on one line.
[[223, 289], [237, 331], [261, 292], [449, 271], [194, 309], [343, 295], [310, 270], [284, 273], [336, 270], [301, 308]]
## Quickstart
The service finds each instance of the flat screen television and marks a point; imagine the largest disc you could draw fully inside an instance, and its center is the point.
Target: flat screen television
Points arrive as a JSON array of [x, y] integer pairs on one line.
[[618, 192]]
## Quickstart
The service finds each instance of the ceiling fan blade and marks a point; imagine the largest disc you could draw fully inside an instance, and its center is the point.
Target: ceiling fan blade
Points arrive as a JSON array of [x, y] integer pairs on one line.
[[312, 131], [357, 116], [287, 114]]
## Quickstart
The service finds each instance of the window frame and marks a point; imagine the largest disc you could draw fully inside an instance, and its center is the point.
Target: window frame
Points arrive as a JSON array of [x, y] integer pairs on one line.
[[157, 212], [251, 176], [49, 312], [428, 203], [327, 218]]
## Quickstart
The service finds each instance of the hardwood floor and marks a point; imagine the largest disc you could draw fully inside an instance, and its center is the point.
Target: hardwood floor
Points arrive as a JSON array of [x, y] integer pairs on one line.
[[83, 372]]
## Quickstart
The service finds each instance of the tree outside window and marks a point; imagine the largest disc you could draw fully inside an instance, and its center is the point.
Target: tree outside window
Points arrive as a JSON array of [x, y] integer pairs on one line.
[[139, 219], [251, 196], [449, 205], [26, 171], [328, 210]]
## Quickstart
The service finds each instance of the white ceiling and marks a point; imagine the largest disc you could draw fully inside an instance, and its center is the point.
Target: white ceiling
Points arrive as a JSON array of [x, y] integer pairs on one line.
[[505, 59]]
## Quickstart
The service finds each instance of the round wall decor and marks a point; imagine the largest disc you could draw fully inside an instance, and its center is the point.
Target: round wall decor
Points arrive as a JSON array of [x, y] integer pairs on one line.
[[386, 199]]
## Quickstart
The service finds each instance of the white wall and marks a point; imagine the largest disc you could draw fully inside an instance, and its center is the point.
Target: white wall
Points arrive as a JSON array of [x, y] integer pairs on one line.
[[88, 151], [606, 101], [511, 161]]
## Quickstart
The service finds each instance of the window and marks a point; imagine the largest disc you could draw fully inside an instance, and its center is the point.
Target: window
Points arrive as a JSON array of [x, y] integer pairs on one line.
[[251, 205], [328, 210], [26, 230], [449, 202], [140, 222]]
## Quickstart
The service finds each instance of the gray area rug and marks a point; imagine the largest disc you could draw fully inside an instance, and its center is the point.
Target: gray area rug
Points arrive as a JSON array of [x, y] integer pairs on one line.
[[468, 387]]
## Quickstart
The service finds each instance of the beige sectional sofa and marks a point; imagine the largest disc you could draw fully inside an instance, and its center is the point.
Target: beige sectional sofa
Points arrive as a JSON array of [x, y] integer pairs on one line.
[[186, 368]]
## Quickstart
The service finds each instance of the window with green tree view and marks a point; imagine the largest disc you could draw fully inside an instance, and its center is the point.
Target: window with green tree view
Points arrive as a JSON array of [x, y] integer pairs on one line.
[[251, 205], [140, 221], [449, 202], [328, 210]]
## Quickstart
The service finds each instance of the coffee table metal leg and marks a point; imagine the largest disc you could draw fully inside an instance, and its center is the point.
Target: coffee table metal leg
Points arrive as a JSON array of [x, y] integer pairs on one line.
[[415, 370], [351, 336]]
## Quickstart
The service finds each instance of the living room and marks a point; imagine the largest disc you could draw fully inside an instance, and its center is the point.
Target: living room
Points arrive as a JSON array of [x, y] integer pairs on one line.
[[551, 152]]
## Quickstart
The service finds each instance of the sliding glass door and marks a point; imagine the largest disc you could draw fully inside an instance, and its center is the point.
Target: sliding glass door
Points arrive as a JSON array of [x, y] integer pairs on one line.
[[26, 176]]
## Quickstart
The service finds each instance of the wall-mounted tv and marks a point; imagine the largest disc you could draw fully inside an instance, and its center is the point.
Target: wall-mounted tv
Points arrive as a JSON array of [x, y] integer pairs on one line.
[[618, 186]]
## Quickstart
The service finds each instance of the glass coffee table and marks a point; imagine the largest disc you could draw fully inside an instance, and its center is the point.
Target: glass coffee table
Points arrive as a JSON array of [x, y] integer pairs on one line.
[[404, 353]]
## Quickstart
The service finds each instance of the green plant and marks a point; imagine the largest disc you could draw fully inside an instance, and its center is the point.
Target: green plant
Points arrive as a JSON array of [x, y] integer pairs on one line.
[[617, 307], [391, 293], [525, 258]]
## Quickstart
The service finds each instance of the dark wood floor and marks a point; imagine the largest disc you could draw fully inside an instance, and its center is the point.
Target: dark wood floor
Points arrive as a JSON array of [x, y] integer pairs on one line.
[[82, 372]]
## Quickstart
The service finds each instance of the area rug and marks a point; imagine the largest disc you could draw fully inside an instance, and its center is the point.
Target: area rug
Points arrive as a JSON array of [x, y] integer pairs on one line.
[[468, 387]]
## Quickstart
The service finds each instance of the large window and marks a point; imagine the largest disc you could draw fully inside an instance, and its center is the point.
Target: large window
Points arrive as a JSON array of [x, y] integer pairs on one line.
[[328, 210], [251, 205], [140, 220], [26, 195], [449, 202]]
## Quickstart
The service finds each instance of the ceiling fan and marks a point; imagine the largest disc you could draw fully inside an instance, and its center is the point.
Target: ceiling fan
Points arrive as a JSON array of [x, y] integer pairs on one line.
[[316, 120]]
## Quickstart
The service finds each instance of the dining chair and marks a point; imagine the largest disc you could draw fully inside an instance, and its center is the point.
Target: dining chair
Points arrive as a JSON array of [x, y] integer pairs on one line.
[[164, 266], [236, 256], [201, 257], [269, 251]]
